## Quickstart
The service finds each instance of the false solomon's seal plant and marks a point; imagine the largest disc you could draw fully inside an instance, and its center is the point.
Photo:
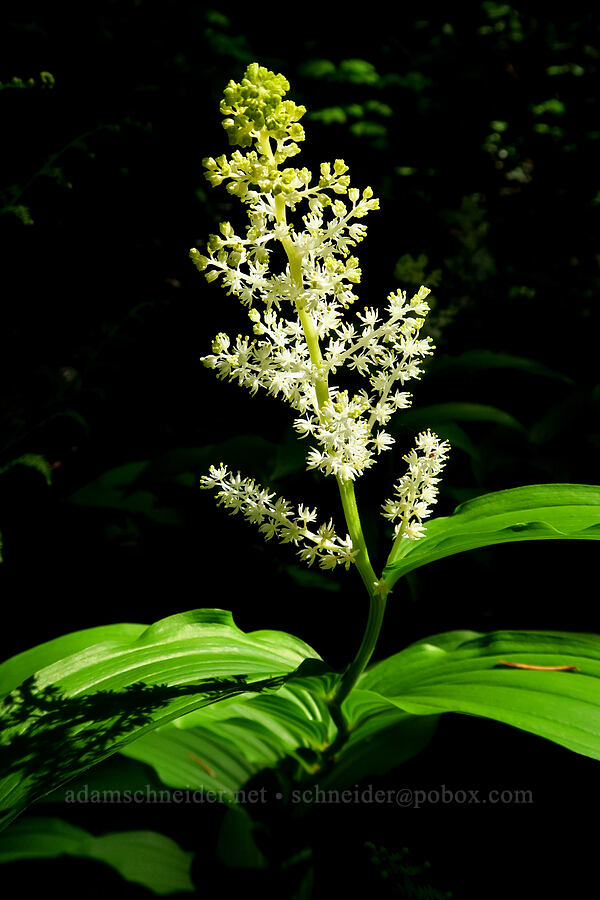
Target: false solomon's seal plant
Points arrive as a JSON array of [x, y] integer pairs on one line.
[[210, 707]]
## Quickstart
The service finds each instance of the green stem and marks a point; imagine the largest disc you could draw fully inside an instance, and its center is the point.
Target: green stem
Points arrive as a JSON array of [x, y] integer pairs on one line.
[[377, 589], [344, 685], [362, 561]]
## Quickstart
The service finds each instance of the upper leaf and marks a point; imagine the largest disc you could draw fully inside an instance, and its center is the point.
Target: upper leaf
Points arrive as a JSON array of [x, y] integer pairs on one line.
[[530, 513]]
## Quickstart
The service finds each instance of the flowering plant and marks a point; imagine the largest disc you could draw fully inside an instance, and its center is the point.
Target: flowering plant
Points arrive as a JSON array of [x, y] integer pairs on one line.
[[210, 707]]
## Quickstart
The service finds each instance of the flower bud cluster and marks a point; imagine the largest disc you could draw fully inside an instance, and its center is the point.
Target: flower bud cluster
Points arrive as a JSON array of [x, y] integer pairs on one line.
[[256, 103]]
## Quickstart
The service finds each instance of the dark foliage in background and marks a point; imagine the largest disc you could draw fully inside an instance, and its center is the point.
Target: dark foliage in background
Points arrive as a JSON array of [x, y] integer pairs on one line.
[[478, 129]]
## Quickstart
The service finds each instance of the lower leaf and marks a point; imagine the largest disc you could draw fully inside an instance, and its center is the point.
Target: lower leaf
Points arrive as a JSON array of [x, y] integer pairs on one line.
[[546, 683], [77, 711], [144, 857]]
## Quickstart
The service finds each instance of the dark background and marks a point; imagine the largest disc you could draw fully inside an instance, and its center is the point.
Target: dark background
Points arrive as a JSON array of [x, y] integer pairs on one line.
[[478, 128]]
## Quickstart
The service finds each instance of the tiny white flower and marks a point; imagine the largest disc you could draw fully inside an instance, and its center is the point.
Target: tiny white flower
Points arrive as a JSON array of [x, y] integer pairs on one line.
[[382, 441]]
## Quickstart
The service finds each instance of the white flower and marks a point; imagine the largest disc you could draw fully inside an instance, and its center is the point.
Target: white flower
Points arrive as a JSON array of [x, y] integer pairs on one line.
[[382, 441]]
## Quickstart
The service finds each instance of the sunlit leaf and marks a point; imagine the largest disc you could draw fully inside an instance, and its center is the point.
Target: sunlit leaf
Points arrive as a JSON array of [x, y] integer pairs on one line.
[[472, 676], [534, 512], [76, 711]]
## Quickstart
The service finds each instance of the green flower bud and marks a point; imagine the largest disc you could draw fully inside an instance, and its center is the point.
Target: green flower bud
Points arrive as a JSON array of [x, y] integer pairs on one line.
[[199, 261]]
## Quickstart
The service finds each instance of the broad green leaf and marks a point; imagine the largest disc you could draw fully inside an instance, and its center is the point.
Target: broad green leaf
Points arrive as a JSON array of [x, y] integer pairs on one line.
[[220, 747], [200, 759], [78, 710], [15, 670], [295, 716], [534, 512], [448, 640], [470, 676], [237, 740], [144, 857]]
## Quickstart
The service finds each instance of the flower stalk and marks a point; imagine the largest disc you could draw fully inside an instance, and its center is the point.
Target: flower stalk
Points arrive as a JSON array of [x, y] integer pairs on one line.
[[302, 337]]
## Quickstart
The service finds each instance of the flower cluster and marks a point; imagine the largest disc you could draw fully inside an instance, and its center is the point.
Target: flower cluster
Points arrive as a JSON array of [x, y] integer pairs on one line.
[[300, 337], [278, 518], [324, 271], [316, 286], [416, 491], [387, 351]]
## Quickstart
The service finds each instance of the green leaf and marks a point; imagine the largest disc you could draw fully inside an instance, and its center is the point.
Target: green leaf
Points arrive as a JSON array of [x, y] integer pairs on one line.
[[78, 710], [530, 513], [469, 676], [203, 759], [296, 716], [15, 670], [144, 857], [219, 748]]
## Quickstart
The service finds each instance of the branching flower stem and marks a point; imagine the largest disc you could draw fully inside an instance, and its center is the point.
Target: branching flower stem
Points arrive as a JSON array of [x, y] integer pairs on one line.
[[292, 357], [377, 589]]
